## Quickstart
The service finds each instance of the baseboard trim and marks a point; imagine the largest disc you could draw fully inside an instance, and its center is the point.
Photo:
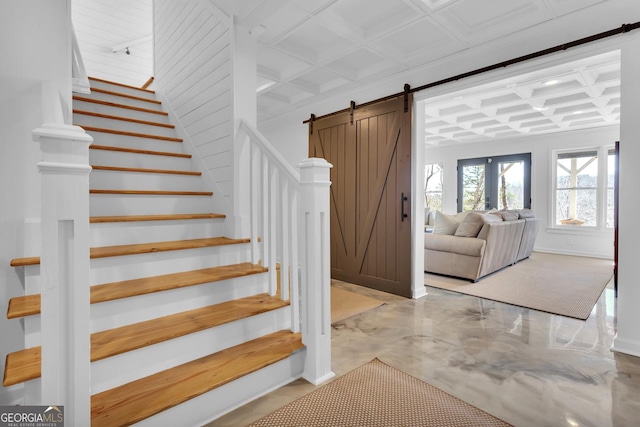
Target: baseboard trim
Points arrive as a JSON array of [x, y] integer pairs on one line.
[[575, 253], [621, 345]]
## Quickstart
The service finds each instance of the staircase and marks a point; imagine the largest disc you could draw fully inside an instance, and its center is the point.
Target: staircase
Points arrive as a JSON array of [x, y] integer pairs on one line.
[[183, 326]]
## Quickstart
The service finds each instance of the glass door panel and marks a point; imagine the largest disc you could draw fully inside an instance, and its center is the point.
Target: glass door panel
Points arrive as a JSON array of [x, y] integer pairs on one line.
[[510, 185], [473, 184]]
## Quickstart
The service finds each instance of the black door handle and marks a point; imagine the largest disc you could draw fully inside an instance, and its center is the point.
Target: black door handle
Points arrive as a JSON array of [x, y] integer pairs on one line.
[[403, 214]]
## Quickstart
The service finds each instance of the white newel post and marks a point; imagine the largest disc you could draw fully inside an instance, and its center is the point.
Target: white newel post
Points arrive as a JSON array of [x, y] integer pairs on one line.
[[316, 277], [64, 270]]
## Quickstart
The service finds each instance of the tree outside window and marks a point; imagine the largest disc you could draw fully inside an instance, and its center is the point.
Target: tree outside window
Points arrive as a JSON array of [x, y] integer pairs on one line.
[[433, 187]]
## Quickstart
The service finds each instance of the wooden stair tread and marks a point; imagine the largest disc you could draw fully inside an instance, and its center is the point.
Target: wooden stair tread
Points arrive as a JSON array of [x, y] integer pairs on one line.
[[143, 248], [135, 401], [127, 133], [136, 151], [125, 95], [21, 366], [152, 192], [117, 105], [121, 84], [141, 170], [25, 365], [124, 119], [167, 217], [28, 305], [131, 337]]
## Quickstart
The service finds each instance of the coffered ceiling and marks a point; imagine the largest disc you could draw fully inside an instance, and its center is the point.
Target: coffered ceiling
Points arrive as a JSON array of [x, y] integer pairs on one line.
[[310, 50]]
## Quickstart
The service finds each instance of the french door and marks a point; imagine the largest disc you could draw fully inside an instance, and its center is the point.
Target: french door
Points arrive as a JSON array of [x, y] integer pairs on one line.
[[370, 150], [498, 182]]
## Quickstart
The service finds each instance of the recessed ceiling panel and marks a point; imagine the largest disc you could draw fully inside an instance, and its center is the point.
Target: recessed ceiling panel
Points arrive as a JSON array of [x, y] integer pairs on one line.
[[420, 42], [562, 7], [480, 21], [358, 64], [277, 65], [371, 19], [314, 43], [320, 80]]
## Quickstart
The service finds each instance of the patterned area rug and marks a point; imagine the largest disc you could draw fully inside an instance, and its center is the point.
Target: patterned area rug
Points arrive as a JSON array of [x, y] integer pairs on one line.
[[377, 394], [558, 284]]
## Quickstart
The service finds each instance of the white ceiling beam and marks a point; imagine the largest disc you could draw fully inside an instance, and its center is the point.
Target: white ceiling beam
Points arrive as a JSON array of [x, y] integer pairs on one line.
[[261, 13]]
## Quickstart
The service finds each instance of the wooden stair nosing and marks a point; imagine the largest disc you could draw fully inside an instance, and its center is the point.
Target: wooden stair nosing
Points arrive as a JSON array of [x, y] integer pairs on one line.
[[25, 365], [143, 248], [141, 170], [124, 119], [29, 305], [137, 151], [117, 105], [143, 398], [97, 79], [125, 95], [167, 217], [152, 192], [127, 133]]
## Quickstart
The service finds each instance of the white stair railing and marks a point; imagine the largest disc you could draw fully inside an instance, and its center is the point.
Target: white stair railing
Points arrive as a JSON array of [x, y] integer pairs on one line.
[[289, 226], [80, 80]]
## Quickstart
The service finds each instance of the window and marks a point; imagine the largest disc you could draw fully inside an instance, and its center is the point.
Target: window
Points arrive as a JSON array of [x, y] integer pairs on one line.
[[582, 196], [433, 187], [500, 182]]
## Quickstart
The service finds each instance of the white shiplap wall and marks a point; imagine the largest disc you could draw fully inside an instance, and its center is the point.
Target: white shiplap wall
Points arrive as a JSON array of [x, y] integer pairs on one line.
[[101, 25], [193, 72]]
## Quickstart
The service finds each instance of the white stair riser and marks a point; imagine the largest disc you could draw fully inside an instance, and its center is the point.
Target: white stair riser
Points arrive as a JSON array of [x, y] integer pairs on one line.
[[119, 111], [122, 125], [124, 233], [113, 204], [150, 306], [126, 101], [149, 360], [136, 143], [146, 307], [137, 160], [119, 180], [115, 269], [122, 89], [209, 406]]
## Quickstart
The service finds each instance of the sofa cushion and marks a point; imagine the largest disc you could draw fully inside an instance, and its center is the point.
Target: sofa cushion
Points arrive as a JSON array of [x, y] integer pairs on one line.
[[526, 213], [507, 215], [447, 224], [473, 223]]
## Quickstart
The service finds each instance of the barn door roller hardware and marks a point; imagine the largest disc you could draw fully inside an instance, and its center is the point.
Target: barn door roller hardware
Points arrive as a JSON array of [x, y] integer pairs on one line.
[[311, 120], [352, 107], [407, 90]]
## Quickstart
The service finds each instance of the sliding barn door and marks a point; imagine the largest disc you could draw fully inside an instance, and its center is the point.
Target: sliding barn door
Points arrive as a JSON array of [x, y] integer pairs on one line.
[[370, 150]]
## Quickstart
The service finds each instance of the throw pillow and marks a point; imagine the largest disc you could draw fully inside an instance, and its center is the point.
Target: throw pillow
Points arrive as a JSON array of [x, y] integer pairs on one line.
[[506, 215], [526, 213], [445, 224], [471, 225]]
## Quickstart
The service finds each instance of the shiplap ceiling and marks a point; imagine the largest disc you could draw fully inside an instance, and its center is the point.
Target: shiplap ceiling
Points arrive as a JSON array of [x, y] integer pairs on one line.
[[315, 49]]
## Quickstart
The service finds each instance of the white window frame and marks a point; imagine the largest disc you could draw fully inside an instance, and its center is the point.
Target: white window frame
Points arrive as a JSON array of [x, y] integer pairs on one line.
[[601, 189]]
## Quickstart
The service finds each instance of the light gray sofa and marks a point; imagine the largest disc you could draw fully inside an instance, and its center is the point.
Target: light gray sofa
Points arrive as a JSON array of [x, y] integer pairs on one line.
[[476, 244]]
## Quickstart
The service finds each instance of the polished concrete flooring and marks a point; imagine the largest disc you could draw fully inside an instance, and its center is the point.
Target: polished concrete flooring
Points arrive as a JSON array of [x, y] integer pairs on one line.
[[526, 367]]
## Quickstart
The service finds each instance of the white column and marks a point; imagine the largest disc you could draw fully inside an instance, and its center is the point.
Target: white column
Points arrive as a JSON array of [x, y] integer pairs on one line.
[[64, 270], [316, 269], [627, 339]]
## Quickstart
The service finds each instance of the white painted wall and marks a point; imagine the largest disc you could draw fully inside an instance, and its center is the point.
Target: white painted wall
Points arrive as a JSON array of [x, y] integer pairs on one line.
[[193, 72], [102, 25], [585, 242], [628, 333], [43, 53]]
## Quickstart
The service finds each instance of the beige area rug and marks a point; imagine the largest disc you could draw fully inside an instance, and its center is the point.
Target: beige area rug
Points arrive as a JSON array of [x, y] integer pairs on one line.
[[558, 284], [377, 394], [345, 304]]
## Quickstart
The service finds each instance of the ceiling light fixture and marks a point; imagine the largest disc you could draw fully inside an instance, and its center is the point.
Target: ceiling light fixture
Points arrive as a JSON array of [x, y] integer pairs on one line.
[[551, 82], [541, 108]]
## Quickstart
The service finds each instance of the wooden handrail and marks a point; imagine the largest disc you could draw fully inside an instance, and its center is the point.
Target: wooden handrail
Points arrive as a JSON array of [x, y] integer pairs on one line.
[[147, 83]]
